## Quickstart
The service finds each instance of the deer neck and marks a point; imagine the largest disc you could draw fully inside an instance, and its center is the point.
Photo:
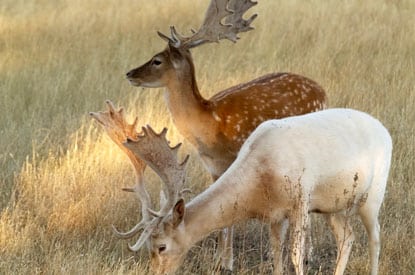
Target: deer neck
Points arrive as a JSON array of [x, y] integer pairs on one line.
[[189, 110], [224, 203], [183, 96]]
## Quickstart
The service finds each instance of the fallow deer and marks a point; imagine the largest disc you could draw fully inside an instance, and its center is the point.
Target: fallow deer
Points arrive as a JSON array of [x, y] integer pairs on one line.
[[334, 162], [218, 126]]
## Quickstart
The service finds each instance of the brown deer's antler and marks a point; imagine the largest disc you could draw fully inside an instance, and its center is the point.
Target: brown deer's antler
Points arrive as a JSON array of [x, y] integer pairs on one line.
[[152, 149], [212, 29]]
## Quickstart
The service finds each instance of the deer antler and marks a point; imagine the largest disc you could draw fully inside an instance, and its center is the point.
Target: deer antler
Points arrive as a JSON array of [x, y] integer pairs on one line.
[[155, 150], [119, 130], [212, 29], [150, 149]]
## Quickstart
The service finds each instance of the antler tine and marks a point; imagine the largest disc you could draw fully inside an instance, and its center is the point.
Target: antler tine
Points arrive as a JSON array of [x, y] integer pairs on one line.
[[239, 24], [148, 230], [146, 213], [212, 28], [129, 234], [115, 124], [111, 106], [175, 40], [165, 37]]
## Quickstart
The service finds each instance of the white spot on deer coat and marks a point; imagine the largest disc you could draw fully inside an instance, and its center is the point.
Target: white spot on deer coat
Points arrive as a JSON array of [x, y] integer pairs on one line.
[[216, 117]]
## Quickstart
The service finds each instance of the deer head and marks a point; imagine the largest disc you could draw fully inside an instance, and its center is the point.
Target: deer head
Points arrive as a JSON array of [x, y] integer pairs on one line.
[[169, 241], [223, 20]]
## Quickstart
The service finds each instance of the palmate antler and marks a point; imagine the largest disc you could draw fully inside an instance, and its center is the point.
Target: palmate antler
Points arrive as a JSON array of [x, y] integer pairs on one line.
[[119, 130], [212, 29], [152, 149], [155, 150]]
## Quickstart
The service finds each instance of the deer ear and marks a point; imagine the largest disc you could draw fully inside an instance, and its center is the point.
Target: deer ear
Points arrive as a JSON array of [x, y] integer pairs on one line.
[[176, 57], [178, 212]]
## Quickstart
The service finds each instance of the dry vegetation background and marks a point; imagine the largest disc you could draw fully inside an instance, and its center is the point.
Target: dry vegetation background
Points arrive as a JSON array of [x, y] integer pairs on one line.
[[60, 176]]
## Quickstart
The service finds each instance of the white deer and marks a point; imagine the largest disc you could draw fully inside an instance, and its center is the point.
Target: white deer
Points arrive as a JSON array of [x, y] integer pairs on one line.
[[334, 162]]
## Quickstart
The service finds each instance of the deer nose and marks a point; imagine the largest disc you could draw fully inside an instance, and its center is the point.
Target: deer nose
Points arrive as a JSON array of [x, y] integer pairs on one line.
[[130, 74]]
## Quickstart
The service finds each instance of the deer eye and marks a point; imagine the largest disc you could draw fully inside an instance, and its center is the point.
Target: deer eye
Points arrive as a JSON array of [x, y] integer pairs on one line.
[[156, 62], [162, 248]]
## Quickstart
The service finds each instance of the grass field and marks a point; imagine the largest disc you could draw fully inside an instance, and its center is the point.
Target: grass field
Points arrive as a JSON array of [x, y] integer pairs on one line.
[[61, 177]]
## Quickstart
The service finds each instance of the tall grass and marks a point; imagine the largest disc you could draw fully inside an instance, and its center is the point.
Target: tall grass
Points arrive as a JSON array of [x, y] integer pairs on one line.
[[61, 177]]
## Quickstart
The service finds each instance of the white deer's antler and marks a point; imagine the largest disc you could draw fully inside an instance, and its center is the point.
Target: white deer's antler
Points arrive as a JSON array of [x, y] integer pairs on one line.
[[213, 29], [119, 130], [152, 149], [155, 150]]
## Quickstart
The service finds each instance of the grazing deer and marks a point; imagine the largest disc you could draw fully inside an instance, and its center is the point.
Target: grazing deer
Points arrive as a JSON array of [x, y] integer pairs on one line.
[[218, 126], [334, 162]]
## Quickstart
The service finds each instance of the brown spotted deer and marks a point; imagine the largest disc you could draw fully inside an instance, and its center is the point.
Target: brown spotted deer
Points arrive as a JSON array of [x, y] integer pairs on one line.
[[218, 126], [334, 162]]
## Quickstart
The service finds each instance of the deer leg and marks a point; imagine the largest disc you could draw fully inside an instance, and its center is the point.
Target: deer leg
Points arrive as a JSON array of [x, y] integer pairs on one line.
[[278, 233], [344, 235], [309, 248], [299, 227], [369, 215], [224, 251], [369, 212], [225, 248]]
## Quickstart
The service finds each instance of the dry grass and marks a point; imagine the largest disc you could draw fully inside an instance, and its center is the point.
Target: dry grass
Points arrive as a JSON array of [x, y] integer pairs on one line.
[[61, 178]]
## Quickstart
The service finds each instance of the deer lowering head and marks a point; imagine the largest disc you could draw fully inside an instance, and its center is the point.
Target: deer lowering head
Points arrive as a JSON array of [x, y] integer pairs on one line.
[[218, 126], [335, 162]]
